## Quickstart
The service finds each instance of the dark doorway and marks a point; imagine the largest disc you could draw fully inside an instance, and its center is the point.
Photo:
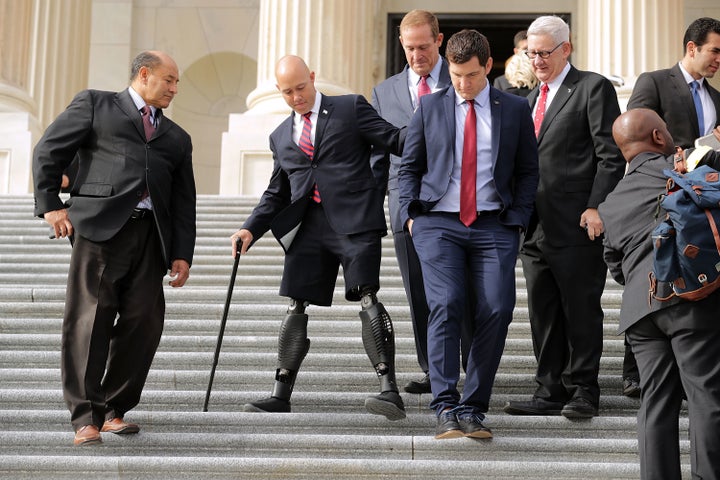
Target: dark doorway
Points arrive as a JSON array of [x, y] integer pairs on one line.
[[499, 29]]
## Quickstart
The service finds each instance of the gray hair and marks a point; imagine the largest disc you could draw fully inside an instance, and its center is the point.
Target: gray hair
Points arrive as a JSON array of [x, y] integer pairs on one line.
[[550, 25], [144, 59]]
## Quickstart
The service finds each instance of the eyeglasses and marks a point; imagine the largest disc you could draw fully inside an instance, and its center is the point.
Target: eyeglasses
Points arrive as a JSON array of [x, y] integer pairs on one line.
[[542, 53]]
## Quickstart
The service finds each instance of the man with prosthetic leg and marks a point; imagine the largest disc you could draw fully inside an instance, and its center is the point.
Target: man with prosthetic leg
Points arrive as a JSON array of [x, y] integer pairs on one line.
[[324, 205]]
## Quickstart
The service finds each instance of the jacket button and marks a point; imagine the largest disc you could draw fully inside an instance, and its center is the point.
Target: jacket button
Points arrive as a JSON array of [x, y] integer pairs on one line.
[[138, 194], [313, 165]]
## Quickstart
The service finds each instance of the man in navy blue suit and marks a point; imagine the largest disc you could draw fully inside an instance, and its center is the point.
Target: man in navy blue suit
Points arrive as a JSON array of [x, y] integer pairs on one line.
[[324, 204], [467, 185]]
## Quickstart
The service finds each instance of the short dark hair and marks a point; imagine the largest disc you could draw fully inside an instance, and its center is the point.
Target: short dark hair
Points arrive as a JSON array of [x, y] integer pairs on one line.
[[466, 44], [698, 31], [144, 59], [519, 37]]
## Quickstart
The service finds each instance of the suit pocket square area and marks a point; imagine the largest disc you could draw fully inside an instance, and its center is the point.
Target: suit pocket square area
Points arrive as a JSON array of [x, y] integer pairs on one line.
[[95, 190]]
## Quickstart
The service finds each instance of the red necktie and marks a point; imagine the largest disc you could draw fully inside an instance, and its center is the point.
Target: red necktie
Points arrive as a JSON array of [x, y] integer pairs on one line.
[[423, 87], [147, 123], [468, 174], [540, 110], [306, 146]]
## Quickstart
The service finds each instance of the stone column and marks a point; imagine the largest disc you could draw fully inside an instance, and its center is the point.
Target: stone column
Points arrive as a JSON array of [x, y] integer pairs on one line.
[[624, 38], [331, 37], [43, 63]]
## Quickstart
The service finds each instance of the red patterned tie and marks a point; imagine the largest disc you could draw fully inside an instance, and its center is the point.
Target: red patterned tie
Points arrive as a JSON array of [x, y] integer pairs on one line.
[[147, 123], [306, 146], [423, 87], [540, 110], [468, 174]]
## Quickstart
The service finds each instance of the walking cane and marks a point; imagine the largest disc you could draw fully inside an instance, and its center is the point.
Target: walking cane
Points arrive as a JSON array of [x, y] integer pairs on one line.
[[222, 323]]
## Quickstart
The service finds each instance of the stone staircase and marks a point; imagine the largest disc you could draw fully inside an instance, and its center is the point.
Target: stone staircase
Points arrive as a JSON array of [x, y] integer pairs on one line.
[[328, 436]]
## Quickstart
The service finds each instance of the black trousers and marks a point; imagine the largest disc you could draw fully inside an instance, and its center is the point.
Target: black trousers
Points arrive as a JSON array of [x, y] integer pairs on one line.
[[678, 348], [114, 313]]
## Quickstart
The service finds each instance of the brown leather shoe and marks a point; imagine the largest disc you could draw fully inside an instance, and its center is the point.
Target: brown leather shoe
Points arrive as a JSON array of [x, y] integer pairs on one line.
[[119, 427], [87, 435]]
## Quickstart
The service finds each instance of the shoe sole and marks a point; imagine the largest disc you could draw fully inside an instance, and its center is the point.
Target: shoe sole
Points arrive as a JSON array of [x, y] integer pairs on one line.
[[479, 434], [89, 441], [388, 409], [409, 389], [128, 430], [249, 407], [449, 434], [577, 415], [522, 411]]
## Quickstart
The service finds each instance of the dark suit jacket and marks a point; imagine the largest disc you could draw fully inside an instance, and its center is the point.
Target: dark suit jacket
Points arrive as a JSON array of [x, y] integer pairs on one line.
[[115, 163], [629, 216], [579, 161], [667, 93], [392, 100], [352, 197], [427, 160]]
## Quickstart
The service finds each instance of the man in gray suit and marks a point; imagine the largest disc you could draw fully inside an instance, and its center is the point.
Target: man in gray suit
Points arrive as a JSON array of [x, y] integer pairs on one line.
[[396, 99], [676, 343], [131, 214]]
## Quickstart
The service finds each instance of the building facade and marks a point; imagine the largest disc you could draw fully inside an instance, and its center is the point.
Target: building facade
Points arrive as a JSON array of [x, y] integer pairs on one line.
[[227, 49]]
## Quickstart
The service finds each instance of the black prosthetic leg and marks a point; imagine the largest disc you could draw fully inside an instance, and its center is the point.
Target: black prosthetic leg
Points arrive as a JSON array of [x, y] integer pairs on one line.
[[379, 341], [293, 345]]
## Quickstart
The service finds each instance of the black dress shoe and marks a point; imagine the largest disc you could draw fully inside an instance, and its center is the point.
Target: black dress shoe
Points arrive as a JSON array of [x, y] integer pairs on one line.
[[272, 405], [388, 403], [419, 386], [472, 426], [579, 407], [536, 406], [448, 426], [631, 387]]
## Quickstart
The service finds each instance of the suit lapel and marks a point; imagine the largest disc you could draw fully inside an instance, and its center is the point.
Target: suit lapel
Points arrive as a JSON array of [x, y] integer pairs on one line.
[[562, 96], [496, 115], [326, 109], [125, 102], [402, 91], [444, 80], [449, 103], [678, 83]]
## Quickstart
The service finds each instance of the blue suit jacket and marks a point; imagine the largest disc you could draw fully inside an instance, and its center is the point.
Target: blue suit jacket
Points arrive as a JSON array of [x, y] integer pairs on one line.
[[392, 100], [352, 197], [427, 161]]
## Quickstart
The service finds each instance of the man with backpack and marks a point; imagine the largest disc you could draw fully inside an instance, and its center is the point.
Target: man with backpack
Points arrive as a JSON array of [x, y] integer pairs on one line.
[[676, 342]]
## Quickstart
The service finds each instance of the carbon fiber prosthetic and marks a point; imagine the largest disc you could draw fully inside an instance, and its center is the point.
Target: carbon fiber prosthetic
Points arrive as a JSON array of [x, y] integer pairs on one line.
[[293, 345], [379, 340]]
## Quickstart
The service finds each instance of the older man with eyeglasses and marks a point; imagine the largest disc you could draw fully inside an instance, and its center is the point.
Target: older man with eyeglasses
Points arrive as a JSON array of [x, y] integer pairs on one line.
[[562, 256]]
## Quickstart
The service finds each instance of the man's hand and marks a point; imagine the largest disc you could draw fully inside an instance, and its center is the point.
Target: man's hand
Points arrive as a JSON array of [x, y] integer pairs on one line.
[[590, 221], [245, 237], [409, 225], [179, 273], [59, 221]]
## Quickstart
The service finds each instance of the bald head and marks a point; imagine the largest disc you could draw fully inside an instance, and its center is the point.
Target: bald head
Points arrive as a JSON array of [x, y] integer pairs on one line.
[[641, 130], [296, 83], [154, 76]]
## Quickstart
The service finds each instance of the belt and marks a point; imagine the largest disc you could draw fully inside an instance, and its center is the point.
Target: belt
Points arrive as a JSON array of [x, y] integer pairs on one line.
[[456, 215], [140, 213]]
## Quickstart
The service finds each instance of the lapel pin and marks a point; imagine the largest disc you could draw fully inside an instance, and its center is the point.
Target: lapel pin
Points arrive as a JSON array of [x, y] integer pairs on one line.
[[324, 112]]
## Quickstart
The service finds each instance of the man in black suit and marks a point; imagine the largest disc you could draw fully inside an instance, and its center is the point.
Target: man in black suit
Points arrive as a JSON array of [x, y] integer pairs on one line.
[[396, 100], [131, 214], [677, 342], [325, 206], [467, 183], [669, 92], [562, 253]]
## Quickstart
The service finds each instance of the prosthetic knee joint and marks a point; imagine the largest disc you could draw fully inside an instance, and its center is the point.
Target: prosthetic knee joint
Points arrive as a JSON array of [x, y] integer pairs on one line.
[[378, 338], [293, 345]]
